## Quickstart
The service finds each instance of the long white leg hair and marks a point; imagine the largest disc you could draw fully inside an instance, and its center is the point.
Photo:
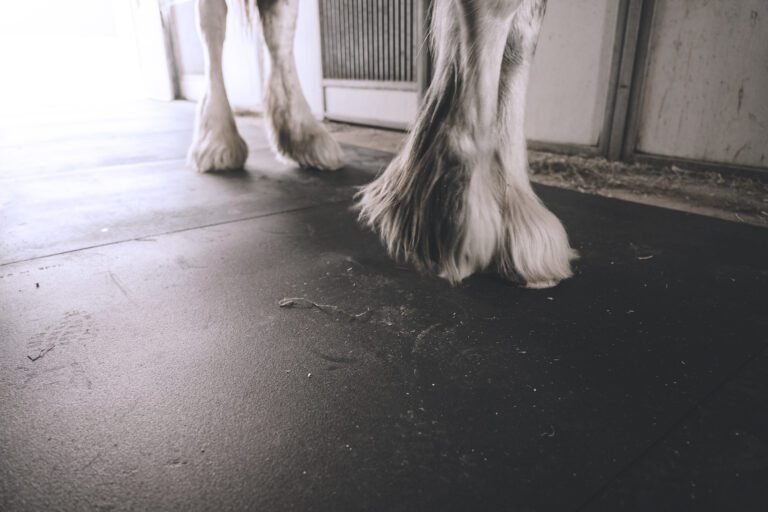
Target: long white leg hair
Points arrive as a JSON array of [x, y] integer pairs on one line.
[[457, 198]]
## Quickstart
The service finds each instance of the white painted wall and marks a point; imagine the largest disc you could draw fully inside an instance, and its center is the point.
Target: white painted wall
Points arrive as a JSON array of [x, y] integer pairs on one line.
[[246, 61], [55, 52], [155, 70], [706, 95], [571, 71], [384, 107], [308, 56]]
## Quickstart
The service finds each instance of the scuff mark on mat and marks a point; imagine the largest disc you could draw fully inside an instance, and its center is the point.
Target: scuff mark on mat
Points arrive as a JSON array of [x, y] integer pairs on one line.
[[41, 353], [119, 285], [302, 303], [333, 358]]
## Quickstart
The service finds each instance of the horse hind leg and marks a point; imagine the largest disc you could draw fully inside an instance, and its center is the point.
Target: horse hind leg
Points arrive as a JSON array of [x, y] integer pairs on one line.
[[293, 131], [216, 146]]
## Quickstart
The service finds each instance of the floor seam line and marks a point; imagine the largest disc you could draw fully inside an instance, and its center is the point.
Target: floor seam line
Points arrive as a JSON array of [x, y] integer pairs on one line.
[[675, 425], [98, 168], [175, 231]]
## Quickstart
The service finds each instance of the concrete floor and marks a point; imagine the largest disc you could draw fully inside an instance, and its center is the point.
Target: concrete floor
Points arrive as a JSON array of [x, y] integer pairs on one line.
[[146, 363]]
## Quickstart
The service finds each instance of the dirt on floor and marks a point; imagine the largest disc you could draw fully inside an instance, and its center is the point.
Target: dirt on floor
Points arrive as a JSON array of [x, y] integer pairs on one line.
[[729, 197]]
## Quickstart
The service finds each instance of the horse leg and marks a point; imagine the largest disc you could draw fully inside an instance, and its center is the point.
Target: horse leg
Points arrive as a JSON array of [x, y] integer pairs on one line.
[[534, 245], [293, 132], [437, 205], [216, 144]]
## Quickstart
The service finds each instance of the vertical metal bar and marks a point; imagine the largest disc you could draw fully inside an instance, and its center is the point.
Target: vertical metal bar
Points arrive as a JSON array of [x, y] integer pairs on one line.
[[391, 41], [335, 41], [385, 46], [380, 56], [395, 42], [333, 37], [359, 39], [345, 35], [364, 38], [350, 37], [324, 49], [355, 12], [339, 38], [404, 39], [354, 40], [631, 76], [409, 41], [369, 37], [375, 39], [395, 38], [625, 39]]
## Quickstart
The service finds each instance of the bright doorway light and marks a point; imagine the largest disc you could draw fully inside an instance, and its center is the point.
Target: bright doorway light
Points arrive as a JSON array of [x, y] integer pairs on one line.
[[68, 52]]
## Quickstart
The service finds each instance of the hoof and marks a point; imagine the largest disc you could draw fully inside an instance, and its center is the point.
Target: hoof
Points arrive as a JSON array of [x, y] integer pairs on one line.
[[310, 146], [542, 285], [218, 152]]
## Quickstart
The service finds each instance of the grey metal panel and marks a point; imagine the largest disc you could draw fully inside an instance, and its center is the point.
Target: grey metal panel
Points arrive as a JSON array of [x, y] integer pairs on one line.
[[368, 39], [619, 92]]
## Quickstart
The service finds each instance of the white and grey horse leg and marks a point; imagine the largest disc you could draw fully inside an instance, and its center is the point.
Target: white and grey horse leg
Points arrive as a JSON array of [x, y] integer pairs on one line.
[[216, 145], [293, 131], [534, 245], [437, 205]]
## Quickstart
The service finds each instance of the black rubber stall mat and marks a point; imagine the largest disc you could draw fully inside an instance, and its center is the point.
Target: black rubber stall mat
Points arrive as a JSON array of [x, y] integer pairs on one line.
[[244, 344]]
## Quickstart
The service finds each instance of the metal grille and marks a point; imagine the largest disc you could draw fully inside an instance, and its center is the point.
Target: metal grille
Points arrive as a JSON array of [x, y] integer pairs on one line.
[[368, 39]]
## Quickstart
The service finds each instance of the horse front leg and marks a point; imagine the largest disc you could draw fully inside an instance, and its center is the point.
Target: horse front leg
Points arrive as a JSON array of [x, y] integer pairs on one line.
[[293, 131], [534, 245], [216, 145], [438, 204]]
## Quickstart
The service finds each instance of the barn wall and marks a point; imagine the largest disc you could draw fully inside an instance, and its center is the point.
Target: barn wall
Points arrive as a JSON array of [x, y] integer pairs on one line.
[[702, 89], [570, 76], [706, 88]]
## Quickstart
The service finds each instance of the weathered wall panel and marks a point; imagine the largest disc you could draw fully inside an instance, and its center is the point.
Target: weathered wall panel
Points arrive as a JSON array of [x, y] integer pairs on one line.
[[706, 91]]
